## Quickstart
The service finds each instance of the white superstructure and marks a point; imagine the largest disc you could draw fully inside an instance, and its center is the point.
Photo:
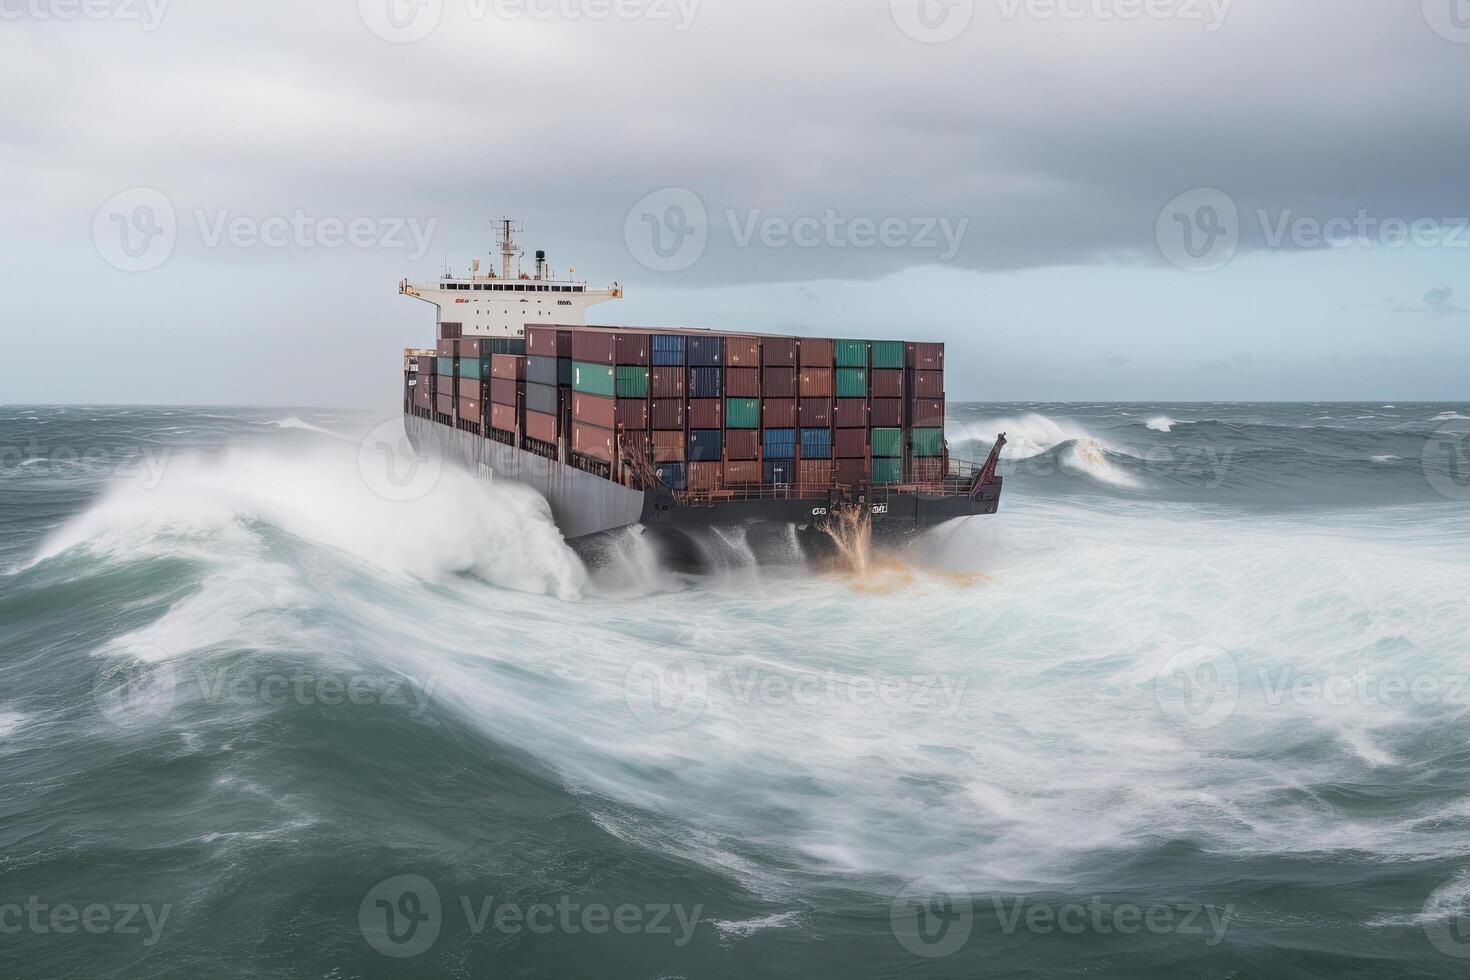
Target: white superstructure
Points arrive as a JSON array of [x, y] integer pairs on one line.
[[500, 305]]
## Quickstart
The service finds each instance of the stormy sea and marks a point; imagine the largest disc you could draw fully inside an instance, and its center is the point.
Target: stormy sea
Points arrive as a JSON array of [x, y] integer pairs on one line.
[[1196, 702]]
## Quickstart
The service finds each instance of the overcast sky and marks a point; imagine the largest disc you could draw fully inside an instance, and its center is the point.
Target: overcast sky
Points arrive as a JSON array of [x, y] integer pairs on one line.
[[1087, 199]]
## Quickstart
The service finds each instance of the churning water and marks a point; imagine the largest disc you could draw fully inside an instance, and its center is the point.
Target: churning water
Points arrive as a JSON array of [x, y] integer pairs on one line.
[[1194, 703]]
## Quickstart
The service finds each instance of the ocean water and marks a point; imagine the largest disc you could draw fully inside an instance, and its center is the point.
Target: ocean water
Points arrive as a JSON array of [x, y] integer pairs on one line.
[[1193, 704]]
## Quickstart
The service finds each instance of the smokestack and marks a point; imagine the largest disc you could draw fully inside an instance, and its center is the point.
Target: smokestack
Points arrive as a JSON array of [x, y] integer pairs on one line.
[[540, 263]]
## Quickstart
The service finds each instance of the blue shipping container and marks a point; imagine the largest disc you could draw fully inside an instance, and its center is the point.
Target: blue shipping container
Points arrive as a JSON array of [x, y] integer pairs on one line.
[[779, 471], [667, 349], [706, 351], [816, 443], [672, 474], [541, 371], [705, 445], [706, 382], [779, 443]]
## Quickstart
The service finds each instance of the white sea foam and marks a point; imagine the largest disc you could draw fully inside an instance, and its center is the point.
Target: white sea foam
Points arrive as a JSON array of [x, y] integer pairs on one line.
[[1161, 423], [11, 722], [1032, 435], [1384, 460], [295, 423]]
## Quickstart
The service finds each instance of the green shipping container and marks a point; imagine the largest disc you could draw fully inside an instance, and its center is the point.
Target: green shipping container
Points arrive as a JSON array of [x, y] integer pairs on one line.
[[852, 353], [593, 379], [887, 443], [632, 382], [852, 383], [888, 354], [887, 471], [927, 442], [742, 413], [476, 369], [445, 366]]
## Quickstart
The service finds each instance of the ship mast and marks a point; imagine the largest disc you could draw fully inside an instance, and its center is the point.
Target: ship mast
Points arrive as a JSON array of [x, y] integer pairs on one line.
[[505, 238]]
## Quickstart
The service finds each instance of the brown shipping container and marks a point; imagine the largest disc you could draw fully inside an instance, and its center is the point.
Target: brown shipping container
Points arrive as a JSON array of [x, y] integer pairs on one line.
[[851, 471], [887, 413], [503, 417], [426, 365], [816, 352], [423, 397], [780, 382], [814, 472], [668, 447], [778, 352], [667, 381], [705, 476], [638, 443], [444, 404], [471, 410], [928, 470], [886, 383], [706, 413], [471, 347], [739, 473], [594, 410], [446, 347], [850, 443], [816, 413], [927, 413], [541, 426], [742, 352], [632, 413], [778, 413], [816, 382], [592, 440], [928, 384], [668, 413], [743, 382], [503, 391], [743, 444], [548, 342], [512, 366], [851, 413], [593, 346], [632, 348], [451, 331], [926, 357]]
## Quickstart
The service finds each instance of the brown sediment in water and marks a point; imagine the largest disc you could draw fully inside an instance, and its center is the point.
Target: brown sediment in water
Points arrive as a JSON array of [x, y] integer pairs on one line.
[[876, 572]]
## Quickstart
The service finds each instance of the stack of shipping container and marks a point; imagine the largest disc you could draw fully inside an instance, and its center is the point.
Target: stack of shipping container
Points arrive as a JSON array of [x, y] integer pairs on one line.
[[708, 411]]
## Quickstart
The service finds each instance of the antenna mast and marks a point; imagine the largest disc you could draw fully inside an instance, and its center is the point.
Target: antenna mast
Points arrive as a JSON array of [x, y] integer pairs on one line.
[[505, 238]]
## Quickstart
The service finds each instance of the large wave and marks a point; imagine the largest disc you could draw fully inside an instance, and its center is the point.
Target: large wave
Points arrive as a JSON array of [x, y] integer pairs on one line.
[[1032, 436]]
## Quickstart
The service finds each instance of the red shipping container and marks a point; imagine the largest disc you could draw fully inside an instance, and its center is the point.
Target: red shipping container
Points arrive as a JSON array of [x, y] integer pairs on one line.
[[668, 447], [548, 342], [927, 414], [470, 409], [816, 413], [816, 352], [742, 352], [426, 365], [594, 410], [472, 347], [928, 470], [850, 443], [780, 382], [778, 352], [512, 366], [592, 440], [814, 472], [632, 413], [852, 471], [705, 476], [743, 444], [668, 413], [851, 413], [638, 443], [740, 473], [778, 413], [446, 347], [592, 345], [503, 417], [928, 384], [886, 383], [444, 404], [541, 426], [887, 413], [667, 382], [706, 413], [503, 391], [926, 357], [631, 348], [423, 397], [816, 382], [743, 382]]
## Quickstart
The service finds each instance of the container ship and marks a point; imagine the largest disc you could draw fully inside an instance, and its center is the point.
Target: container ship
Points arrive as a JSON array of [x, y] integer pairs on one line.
[[679, 428]]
